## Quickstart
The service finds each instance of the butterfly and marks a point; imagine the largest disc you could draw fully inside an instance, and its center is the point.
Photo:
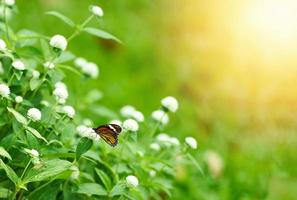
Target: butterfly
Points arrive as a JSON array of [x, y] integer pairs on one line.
[[109, 133]]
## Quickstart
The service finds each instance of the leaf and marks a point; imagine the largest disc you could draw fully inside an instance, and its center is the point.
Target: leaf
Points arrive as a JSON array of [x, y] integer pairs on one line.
[[104, 112], [48, 169], [4, 193], [9, 172], [47, 193], [4, 153], [100, 33], [35, 83], [36, 133], [92, 189], [93, 96], [61, 17], [19, 117], [66, 56], [104, 178], [69, 68], [118, 189], [84, 144]]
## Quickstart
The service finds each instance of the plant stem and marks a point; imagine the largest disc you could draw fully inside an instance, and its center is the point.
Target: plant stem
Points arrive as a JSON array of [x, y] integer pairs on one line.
[[78, 30], [6, 24], [26, 168]]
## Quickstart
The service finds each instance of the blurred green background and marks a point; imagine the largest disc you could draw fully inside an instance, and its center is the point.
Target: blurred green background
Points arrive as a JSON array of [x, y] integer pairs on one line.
[[231, 65]]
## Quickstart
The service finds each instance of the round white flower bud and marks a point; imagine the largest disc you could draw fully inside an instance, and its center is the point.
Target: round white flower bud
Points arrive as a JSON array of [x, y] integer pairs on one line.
[[160, 116], [34, 114], [90, 69], [80, 62], [18, 99], [4, 90], [96, 10], [2, 45], [85, 131], [9, 2], [19, 65], [127, 111], [59, 42], [35, 74], [130, 125], [49, 65], [174, 141], [155, 146], [170, 103], [191, 142], [32, 152], [116, 121], [163, 137], [61, 93], [60, 84], [138, 116], [132, 181], [69, 111]]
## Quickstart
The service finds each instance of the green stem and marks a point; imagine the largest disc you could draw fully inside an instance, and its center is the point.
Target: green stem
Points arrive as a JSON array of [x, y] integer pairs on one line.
[[194, 161], [6, 24], [26, 168], [11, 78], [78, 30], [42, 186]]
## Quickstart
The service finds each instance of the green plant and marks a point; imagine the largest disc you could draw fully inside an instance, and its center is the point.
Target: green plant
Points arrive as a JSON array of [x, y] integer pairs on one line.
[[49, 151]]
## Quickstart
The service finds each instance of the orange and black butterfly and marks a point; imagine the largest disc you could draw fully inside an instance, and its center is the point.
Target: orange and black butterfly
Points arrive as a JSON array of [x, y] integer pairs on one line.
[[109, 133]]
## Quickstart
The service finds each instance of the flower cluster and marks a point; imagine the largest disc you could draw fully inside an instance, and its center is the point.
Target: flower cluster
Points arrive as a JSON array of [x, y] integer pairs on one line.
[[88, 68]]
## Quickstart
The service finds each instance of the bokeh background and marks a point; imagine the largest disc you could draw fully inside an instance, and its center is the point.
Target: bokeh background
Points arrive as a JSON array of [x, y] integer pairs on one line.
[[231, 64]]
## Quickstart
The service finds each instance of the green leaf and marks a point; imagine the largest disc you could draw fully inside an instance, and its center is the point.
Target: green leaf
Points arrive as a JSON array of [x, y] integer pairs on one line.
[[47, 193], [4, 153], [104, 178], [93, 96], [118, 189], [19, 117], [100, 33], [48, 169], [9, 172], [4, 193], [71, 69], [66, 56], [36, 133], [83, 146], [35, 83], [104, 112], [61, 17], [92, 189]]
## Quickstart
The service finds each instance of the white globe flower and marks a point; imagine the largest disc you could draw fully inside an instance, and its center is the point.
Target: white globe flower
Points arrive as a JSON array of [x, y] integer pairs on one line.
[[61, 94], [35, 74], [163, 137], [170, 103], [174, 141], [69, 111], [4, 90], [96, 10], [132, 181], [191, 142], [130, 125], [32, 152], [127, 111], [9, 2], [155, 146], [160, 116], [85, 131], [138, 116], [2, 45], [90, 69], [80, 62], [19, 65], [34, 114], [116, 121], [49, 65], [59, 42], [18, 99], [60, 84]]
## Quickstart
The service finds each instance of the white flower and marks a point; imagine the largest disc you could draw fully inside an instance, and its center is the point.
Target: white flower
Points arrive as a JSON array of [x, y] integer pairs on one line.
[[116, 121], [19, 65], [2, 45], [174, 141], [9, 2], [33, 153], [75, 172], [130, 125], [49, 65], [163, 137], [35, 74], [96, 10], [18, 99], [61, 94], [160, 116], [80, 62], [127, 111], [155, 146], [191, 142], [36, 161], [85, 131], [170, 103], [132, 181], [90, 69], [138, 116], [59, 42], [34, 114], [152, 173], [69, 111], [4, 90], [214, 162]]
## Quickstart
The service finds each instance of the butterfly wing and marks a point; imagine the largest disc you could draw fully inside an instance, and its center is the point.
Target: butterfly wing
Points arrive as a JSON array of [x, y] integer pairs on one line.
[[109, 133]]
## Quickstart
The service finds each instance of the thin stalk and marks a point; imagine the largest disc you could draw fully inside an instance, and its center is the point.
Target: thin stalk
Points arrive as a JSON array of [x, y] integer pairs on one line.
[[78, 30]]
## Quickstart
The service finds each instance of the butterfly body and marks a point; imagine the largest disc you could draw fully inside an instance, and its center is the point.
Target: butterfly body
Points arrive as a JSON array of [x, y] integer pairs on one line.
[[109, 133]]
